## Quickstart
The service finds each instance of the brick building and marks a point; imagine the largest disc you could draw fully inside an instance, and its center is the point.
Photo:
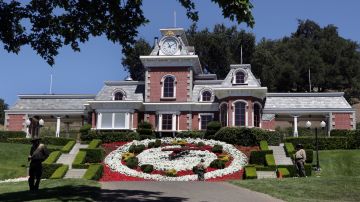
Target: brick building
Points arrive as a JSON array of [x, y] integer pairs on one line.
[[176, 95]]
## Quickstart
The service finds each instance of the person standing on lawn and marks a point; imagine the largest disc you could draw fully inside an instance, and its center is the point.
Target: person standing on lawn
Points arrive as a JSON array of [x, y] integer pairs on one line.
[[201, 170], [300, 158], [38, 153]]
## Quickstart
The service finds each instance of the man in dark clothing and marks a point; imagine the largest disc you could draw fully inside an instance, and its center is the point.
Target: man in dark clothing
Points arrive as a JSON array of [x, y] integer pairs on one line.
[[300, 158], [38, 154], [201, 170]]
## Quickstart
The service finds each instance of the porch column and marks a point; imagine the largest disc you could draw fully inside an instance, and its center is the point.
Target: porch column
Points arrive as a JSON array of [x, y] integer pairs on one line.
[[93, 120], [57, 134], [296, 134]]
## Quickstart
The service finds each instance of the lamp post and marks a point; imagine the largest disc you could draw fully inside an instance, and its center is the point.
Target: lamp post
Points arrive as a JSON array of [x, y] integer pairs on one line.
[[322, 124], [36, 127]]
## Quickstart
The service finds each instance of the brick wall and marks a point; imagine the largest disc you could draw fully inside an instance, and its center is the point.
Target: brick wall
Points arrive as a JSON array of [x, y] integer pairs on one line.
[[155, 75], [195, 121], [152, 120], [15, 122], [268, 124], [342, 120], [135, 119], [183, 121]]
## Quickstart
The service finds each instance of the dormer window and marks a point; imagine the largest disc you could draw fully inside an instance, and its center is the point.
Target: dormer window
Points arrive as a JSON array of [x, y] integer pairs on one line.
[[206, 96], [119, 95], [239, 77], [168, 87]]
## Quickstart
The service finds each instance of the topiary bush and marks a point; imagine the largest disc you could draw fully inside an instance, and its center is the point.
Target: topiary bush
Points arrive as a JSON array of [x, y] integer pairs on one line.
[[137, 149], [217, 149], [200, 144], [217, 163], [157, 143], [53, 157], [94, 172], [85, 129], [60, 172], [284, 172], [211, 129], [309, 155], [264, 145], [95, 143], [67, 148], [132, 162], [289, 149], [236, 135], [269, 160], [258, 157], [151, 145], [145, 130], [147, 168], [4, 135], [93, 155], [79, 161], [250, 173], [49, 169], [273, 138]]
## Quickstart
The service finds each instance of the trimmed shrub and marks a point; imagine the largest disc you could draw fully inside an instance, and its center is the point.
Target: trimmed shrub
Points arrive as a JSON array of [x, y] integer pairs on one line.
[[67, 148], [236, 135], [60, 172], [264, 145], [53, 157], [284, 172], [217, 163], [93, 155], [94, 172], [211, 129], [85, 129], [269, 160], [325, 143], [56, 140], [191, 134], [151, 145], [49, 169], [273, 138], [258, 157], [339, 133], [309, 155], [132, 162], [80, 160], [265, 168], [200, 144], [52, 148], [292, 169], [145, 130], [4, 135], [107, 137], [224, 157], [18, 140], [250, 173], [217, 148], [145, 125], [147, 168], [137, 149], [95, 143], [171, 173], [289, 149], [127, 155], [133, 136], [157, 143]]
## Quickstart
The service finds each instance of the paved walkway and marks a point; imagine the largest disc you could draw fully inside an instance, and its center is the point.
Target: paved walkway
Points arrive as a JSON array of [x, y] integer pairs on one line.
[[280, 155], [68, 159], [178, 192]]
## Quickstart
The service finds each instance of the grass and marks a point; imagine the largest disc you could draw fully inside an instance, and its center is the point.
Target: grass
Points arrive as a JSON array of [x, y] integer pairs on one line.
[[51, 190], [339, 180], [13, 158]]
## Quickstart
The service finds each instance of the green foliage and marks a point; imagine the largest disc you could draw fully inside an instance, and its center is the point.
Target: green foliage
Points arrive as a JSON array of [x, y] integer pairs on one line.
[[157, 143], [200, 144], [80, 160], [145, 130], [60, 172], [3, 107], [289, 149], [53, 157], [236, 135], [309, 155], [269, 160], [284, 172], [4, 135], [107, 137], [273, 138], [264, 145], [217, 148], [250, 173], [85, 129], [258, 157], [67, 148], [147, 168], [191, 134], [132, 162], [95, 143], [137, 149], [325, 143], [93, 155], [171, 173], [49, 169], [151, 145], [211, 129], [217, 163], [56, 140], [293, 172], [340, 133], [94, 172]]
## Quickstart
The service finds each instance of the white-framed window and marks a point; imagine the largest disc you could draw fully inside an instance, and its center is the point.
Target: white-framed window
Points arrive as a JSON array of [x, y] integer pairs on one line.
[[168, 86], [119, 94], [117, 120], [204, 119], [240, 116], [257, 114], [223, 114], [240, 77], [206, 95], [167, 122]]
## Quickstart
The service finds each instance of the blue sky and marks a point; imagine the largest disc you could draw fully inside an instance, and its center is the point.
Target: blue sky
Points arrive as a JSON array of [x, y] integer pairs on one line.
[[100, 60]]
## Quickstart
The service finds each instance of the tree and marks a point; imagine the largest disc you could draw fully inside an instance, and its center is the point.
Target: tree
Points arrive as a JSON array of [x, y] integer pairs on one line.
[[47, 25], [3, 107]]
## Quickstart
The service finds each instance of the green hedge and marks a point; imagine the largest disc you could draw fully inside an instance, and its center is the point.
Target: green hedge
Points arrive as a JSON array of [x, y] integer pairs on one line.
[[53, 157], [80, 160], [264, 145], [269, 160], [93, 155], [339, 132], [94, 172], [325, 143], [4, 135], [49, 169], [258, 157], [273, 138], [85, 129], [289, 149], [265, 168], [292, 169], [284, 172], [60, 172], [107, 137], [211, 129], [250, 173], [145, 130], [94, 144], [191, 134], [59, 141], [309, 155], [67, 148], [236, 135]]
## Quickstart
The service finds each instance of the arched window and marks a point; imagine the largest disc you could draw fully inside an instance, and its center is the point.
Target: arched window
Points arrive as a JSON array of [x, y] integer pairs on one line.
[[119, 95], [169, 87], [257, 114], [239, 77], [206, 96], [224, 115], [240, 114]]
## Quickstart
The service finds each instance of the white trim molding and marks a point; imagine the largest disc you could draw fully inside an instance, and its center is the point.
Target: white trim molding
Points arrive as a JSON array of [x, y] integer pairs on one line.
[[246, 112], [162, 86], [119, 90], [246, 76], [204, 90], [127, 120]]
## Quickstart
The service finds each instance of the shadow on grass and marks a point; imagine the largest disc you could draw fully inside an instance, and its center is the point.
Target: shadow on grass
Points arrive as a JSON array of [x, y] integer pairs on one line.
[[87, 193]]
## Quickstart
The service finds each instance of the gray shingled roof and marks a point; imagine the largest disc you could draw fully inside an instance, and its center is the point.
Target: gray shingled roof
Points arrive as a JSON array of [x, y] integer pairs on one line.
[[51, 102], [134, 90], [305, 101], [251, 80]]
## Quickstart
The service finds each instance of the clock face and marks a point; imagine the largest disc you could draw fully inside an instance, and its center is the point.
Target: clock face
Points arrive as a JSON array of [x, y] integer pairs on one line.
[[169, 46]]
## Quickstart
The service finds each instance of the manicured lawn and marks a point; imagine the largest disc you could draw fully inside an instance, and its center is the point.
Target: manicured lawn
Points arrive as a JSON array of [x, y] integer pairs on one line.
[[51, 190], [339, 180], [13, 160]]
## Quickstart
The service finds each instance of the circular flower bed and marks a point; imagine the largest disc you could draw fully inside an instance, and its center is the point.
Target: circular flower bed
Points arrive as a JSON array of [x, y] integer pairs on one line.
[[161, 161]]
